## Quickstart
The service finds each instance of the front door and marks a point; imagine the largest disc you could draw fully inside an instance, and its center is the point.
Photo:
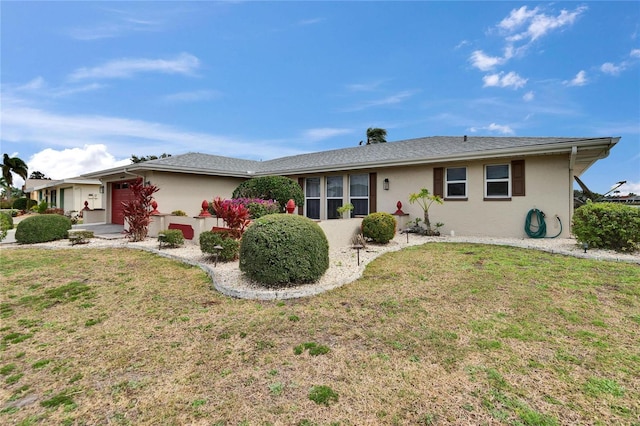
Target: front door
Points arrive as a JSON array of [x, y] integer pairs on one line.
[[120, 192]]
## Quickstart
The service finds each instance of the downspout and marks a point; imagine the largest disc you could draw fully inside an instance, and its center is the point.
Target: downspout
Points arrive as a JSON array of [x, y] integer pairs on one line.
[[572, 163]]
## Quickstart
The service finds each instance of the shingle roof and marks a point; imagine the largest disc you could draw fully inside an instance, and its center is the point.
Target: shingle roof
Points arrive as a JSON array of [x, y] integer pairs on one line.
[[412, 151]]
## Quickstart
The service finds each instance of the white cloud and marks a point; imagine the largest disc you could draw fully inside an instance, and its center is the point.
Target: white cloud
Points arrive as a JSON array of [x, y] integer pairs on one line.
[[365, 87], [72, 162], [35, 84], [536, 23], [484, 62], [310, 21], [25, 125], [193, 96], [184, 63], [325, 133], [528, 97], [579, 80], [510, 79], [635, 53], [611, 68], [389, 100], [495, 128]]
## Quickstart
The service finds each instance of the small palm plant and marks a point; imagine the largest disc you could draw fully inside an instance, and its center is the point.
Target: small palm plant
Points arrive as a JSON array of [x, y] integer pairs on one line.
[[425, 199]]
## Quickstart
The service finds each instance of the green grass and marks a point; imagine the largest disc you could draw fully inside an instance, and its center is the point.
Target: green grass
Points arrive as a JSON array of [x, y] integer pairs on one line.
[[437, 334]]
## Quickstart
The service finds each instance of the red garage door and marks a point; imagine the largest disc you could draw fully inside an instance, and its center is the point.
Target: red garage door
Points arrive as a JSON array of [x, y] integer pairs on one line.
[[119, 192]]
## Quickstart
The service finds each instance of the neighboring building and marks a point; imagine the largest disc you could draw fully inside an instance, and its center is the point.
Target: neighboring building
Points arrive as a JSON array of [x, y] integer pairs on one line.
[[67, 194], [489, 183]]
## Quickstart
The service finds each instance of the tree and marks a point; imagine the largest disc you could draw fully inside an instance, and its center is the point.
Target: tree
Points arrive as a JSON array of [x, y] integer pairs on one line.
[[12, 165], [376, 135], [38, 175], [424, 199], [137, 212], [135, 159]]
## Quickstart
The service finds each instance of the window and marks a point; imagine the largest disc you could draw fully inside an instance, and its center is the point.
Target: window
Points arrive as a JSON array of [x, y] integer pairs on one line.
[[359, 194], [334, 196], [497, 181], [312, 195], [456, 182]]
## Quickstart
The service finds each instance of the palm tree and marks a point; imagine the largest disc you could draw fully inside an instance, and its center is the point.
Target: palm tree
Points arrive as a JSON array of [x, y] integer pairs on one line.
[[376, 135], [12, 165]]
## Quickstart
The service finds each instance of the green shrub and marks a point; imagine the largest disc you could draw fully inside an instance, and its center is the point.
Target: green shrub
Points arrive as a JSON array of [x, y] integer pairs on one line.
[[9, 215], [281, 249], [24, 204], [380, 227], [608, 226], [42, 207], [6, 223], [230, 246], [278, 188], [40, 229], [173, 237], [178, 213]]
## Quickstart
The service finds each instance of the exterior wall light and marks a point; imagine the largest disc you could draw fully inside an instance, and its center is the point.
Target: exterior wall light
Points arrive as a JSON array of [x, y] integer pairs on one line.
[[102, 189], [385, 184]]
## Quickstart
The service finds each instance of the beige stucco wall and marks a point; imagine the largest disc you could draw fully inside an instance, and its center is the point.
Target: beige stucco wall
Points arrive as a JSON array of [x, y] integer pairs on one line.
[[548, 188], [186, 192], [76, 195]]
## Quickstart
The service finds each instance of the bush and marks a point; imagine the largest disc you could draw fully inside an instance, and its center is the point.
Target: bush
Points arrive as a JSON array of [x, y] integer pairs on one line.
[[280, 250], [9, 215], [42, 207], [278, 188], [24, 204], [178, 213], [40, 229], [6, 223], [608, 226], [173, 237], [230, 246], [380, 227]]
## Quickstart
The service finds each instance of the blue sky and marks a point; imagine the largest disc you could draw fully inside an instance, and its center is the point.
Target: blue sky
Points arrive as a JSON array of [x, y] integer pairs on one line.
[[85, 85]]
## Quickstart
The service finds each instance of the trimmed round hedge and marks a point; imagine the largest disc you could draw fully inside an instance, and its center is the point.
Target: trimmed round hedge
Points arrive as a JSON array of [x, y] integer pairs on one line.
[[380, 227], [24, 203], [282, 250], [42, 228]]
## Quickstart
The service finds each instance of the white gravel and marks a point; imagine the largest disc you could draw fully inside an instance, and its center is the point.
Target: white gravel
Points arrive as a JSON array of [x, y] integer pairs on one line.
[[343, 267]]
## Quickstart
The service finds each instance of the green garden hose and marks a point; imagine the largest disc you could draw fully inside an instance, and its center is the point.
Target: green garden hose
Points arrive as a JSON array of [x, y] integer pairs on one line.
[[539, 230]]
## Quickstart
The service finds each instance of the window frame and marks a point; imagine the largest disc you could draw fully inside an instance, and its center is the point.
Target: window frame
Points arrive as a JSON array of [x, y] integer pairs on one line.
[[334, 198], [465, 181], [313, 198], [506, 180], [366, 178]]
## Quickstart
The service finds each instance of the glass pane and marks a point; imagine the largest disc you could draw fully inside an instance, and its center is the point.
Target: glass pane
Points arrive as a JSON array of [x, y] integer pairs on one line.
[[313, 187], [313, 209], [332, 209], [457, 173], [360, 207], [497, 189], [359, 185], [334, 186], [498, 172], [456, 190]]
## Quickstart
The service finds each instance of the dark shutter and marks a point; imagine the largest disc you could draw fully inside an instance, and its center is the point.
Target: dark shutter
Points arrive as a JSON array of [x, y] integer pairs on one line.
[[301, 208], [517, 178], [438, 181], [373, 202]]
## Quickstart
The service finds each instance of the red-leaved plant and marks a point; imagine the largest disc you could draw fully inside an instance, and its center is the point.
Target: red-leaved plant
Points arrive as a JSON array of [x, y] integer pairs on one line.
[[137, 212], [235, 216]]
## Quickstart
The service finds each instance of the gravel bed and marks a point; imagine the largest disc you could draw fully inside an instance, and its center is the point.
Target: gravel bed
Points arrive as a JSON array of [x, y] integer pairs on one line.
[[343, 265]]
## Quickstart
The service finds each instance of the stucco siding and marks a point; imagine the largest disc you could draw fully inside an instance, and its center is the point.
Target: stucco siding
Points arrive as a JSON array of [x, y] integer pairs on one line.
[[186, 192]]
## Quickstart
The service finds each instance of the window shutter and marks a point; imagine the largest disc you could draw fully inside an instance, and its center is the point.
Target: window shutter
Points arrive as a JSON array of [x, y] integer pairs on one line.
[[438, 181], [517, 178], [373, 202], [301, 208]]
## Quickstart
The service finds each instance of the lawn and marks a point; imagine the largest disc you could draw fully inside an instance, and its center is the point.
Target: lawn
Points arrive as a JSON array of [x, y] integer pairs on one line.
[[435, 334]]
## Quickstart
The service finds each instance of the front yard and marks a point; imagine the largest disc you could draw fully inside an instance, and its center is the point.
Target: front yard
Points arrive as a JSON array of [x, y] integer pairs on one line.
[[434, 334]]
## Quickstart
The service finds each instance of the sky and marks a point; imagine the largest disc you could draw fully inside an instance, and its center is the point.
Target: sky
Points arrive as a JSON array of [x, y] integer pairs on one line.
[[86, 85]]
